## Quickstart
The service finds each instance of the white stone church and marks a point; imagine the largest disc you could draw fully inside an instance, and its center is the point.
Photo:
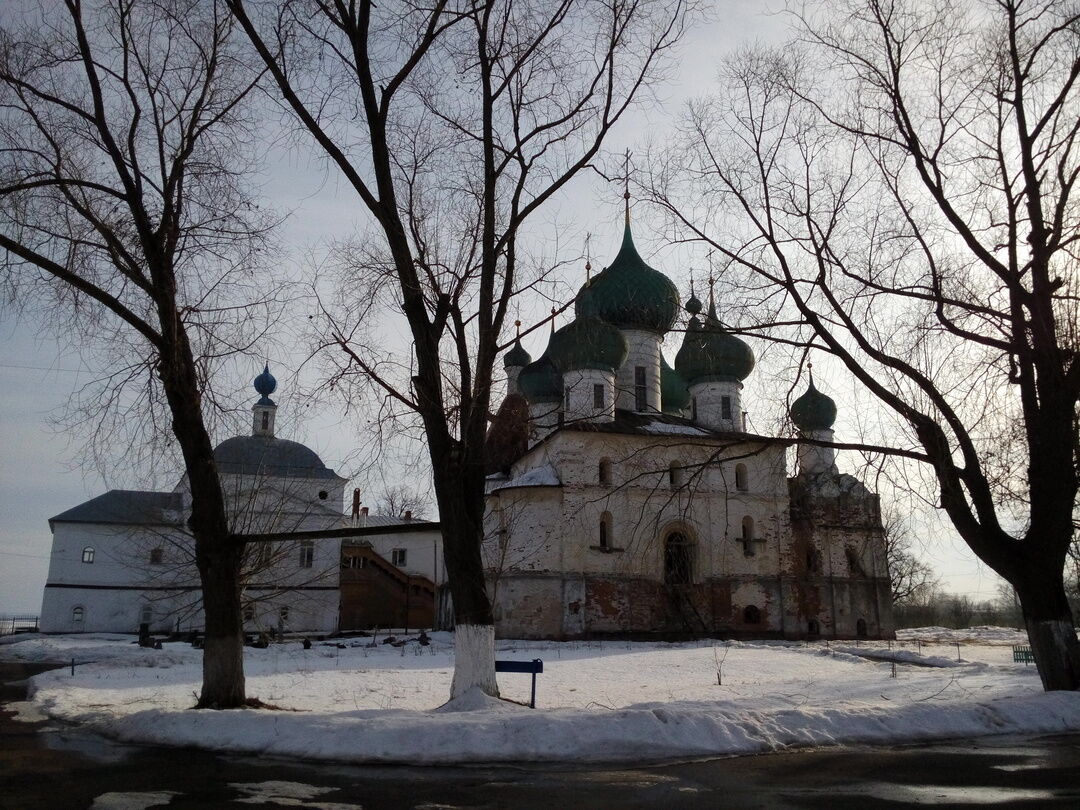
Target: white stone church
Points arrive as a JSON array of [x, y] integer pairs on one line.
[[628, 497], [625, 497]]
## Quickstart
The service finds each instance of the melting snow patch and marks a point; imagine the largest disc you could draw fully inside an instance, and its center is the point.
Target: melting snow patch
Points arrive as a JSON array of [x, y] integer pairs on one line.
[[288, 794]]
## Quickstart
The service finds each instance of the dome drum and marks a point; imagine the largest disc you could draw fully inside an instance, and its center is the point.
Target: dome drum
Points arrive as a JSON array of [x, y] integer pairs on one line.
[[590, 396], [717, 404]]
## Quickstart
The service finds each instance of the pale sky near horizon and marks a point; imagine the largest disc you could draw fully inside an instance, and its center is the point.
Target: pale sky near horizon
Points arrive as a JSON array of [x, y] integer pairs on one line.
[[39, 475]]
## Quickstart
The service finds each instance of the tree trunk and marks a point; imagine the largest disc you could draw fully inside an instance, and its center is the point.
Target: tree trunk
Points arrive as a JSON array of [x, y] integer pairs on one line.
[[461, 510], [217, 558], [1050, 629], [223, 648]]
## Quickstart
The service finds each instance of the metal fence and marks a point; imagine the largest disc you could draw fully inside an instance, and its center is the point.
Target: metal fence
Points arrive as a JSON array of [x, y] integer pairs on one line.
[[9, 625]]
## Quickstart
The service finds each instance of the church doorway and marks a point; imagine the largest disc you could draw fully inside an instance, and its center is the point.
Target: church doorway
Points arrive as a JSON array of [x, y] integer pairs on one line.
[[678, 559]]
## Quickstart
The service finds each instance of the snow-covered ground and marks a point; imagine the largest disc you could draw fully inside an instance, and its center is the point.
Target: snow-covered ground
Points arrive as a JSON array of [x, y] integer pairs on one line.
[[610, 701]]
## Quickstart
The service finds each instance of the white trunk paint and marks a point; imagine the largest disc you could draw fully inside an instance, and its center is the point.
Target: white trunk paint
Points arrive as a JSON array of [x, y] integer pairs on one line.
[[474, 659]]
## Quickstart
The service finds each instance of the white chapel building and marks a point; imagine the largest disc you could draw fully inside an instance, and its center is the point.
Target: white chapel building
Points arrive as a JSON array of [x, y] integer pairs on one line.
[[125, 557]]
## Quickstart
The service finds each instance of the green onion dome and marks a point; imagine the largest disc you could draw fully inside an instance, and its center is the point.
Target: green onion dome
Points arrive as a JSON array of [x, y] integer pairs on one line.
[[540, 381], [693, 305], [674, 395], [516, 357], [709, 353], [813, 410], [629, 294], [587, 343]]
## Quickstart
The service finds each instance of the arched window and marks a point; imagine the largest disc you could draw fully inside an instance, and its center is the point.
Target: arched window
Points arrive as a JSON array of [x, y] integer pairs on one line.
[[146, 615], [751, 615], [605, 472], [157, 556], [88, 554], [678, 559], [813, 628], [675, 475], [78, 613], [740, 478], [860, 628], [605, 531], [748, 536]]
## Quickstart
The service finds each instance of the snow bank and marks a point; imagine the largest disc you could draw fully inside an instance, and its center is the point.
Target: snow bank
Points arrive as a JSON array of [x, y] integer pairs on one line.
[[599, 702], [645, 732]]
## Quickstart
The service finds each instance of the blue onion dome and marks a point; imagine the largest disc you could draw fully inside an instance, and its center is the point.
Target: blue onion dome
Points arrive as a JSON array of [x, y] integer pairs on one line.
[[710, 353], [587, 343], [265, 384], [540, 381], [516, 357], [813, 410], [629, 294], [674, 395]]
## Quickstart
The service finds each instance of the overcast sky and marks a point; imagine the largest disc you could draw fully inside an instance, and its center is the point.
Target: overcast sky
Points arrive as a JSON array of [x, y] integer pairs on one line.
[[40, 474]]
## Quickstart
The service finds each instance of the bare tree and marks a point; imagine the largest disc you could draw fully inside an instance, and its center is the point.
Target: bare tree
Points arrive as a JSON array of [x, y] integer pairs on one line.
[[123, 128], [899, 188], [910, 577], [454, 123], [398, 499]]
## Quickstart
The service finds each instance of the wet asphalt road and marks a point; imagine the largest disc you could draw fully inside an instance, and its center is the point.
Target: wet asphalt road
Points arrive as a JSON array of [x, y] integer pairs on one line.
[[44, 765]]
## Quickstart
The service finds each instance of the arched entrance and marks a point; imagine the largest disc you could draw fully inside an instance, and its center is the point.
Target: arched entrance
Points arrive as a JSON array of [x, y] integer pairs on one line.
[[678, 559]]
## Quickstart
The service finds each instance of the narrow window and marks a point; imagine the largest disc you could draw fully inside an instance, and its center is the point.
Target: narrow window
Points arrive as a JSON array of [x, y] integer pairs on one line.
[[748, 536], [605, 531], [157, 556], [813, 560], [675, 475], [813, 628], [88, 555], [605, 472], [860, 628], [266, 420], [693, 408], [249, 613], [78, 613], [146, 615], [307, 553], [641, 401], [725, 408], [598, 396], [752, 615], [566, 398], [740, 477], [399, 556], [283, 614]]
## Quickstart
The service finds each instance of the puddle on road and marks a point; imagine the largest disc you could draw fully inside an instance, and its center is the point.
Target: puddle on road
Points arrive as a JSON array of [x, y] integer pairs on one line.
[[132, 801]]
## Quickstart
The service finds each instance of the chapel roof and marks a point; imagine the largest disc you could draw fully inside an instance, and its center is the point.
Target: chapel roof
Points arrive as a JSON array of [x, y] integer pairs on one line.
[[128, 507], [271, 457]]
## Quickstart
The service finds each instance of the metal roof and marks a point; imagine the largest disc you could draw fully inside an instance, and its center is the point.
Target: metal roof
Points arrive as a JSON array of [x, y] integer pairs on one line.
[[269, 456], [128, 506]]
